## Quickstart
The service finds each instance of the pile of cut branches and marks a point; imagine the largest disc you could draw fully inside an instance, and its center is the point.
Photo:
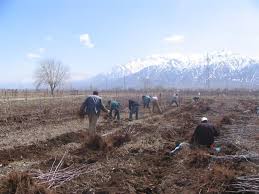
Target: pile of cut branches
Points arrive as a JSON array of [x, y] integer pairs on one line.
[[245, 184], [57, 175]]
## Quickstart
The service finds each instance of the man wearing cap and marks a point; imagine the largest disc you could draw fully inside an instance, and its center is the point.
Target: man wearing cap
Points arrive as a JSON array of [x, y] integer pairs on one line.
[[92, 107], [204, 133]]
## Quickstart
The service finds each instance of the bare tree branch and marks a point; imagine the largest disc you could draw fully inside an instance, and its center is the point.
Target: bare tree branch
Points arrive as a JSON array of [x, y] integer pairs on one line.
[[51, 73]]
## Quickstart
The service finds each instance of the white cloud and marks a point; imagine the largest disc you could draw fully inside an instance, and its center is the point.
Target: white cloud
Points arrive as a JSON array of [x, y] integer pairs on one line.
[[85, 40], [33, 56], [175, 39], [36, 55]]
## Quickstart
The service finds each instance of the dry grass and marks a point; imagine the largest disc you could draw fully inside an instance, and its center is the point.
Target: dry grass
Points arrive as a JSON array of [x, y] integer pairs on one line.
[[118, 139], [135, 158], [226, 120], [21, 183], [198, 159]]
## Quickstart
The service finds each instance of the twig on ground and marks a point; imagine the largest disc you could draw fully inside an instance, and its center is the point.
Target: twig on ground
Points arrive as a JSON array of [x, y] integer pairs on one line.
[[245, 184], [56, 178]]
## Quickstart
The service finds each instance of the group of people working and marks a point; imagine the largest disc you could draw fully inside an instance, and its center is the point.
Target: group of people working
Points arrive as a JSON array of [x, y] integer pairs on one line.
[[203, 135]]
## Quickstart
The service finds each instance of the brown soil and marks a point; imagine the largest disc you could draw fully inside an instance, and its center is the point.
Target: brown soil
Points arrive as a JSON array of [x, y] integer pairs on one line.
[[96, 143], [132, 157], [39, 150]]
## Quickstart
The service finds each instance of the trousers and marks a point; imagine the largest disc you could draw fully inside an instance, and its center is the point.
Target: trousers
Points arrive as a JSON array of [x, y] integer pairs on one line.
[[156, 106], [92, 118], [134, 110], [116, 113]]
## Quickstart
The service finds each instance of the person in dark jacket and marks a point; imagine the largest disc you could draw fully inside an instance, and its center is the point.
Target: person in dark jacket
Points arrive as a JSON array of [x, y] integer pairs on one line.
[[196, 98], [92, 107], [134, 108], [114, 107], [204, 133], [146, 100]]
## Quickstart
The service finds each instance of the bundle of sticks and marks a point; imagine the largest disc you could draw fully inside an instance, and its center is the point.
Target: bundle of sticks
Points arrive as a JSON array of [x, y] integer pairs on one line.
[[247, 157], [248, 184], [57, 175]]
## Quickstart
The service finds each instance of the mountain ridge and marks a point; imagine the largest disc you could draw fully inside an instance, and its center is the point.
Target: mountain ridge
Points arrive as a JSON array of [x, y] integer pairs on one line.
[[221, 69]]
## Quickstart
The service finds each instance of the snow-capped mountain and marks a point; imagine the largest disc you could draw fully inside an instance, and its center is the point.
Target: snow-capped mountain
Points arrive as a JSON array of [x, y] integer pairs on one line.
[[136, 65], [215, 70]]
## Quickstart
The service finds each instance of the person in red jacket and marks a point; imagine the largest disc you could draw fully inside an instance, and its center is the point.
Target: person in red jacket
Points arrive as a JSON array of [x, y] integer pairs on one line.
[[204, 134]]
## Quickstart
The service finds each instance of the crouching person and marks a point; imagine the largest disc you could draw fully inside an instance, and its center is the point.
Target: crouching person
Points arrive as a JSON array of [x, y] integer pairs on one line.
[[114, 107], [204, 134], [92, 107], [196, 98], [175, 100], [155, 105], [133, 108], [146, 100]]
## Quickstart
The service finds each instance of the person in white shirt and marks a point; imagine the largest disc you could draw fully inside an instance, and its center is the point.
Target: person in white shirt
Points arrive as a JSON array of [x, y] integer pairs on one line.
[[155, 104]]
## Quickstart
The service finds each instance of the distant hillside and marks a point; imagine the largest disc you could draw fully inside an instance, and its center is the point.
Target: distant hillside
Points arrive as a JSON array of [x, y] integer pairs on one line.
[[213, 70]]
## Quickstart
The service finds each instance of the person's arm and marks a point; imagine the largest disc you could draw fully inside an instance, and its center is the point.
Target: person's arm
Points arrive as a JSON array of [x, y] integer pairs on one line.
[[82, 109], [130, 102], [103, 107], [216, 131], [193, 139]]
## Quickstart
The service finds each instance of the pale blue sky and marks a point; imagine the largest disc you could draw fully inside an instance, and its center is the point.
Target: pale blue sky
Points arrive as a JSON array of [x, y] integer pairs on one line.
[[117, 31]]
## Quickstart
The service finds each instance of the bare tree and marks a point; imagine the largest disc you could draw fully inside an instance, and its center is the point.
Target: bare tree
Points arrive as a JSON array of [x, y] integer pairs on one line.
[[51, 73]]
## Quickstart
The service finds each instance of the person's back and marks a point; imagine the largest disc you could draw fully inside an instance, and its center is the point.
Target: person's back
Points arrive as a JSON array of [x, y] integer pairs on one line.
[[92, 107], [204, 134], [114, 107], [154, 98], [93, 104], [134, 108], [144, 98], [196, 98], [155, 104], [115, 104], [132, 104], [146, 101], [175, 100]]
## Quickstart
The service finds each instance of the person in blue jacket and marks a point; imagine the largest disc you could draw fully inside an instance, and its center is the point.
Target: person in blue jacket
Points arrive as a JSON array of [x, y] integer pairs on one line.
[[92, 107]]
